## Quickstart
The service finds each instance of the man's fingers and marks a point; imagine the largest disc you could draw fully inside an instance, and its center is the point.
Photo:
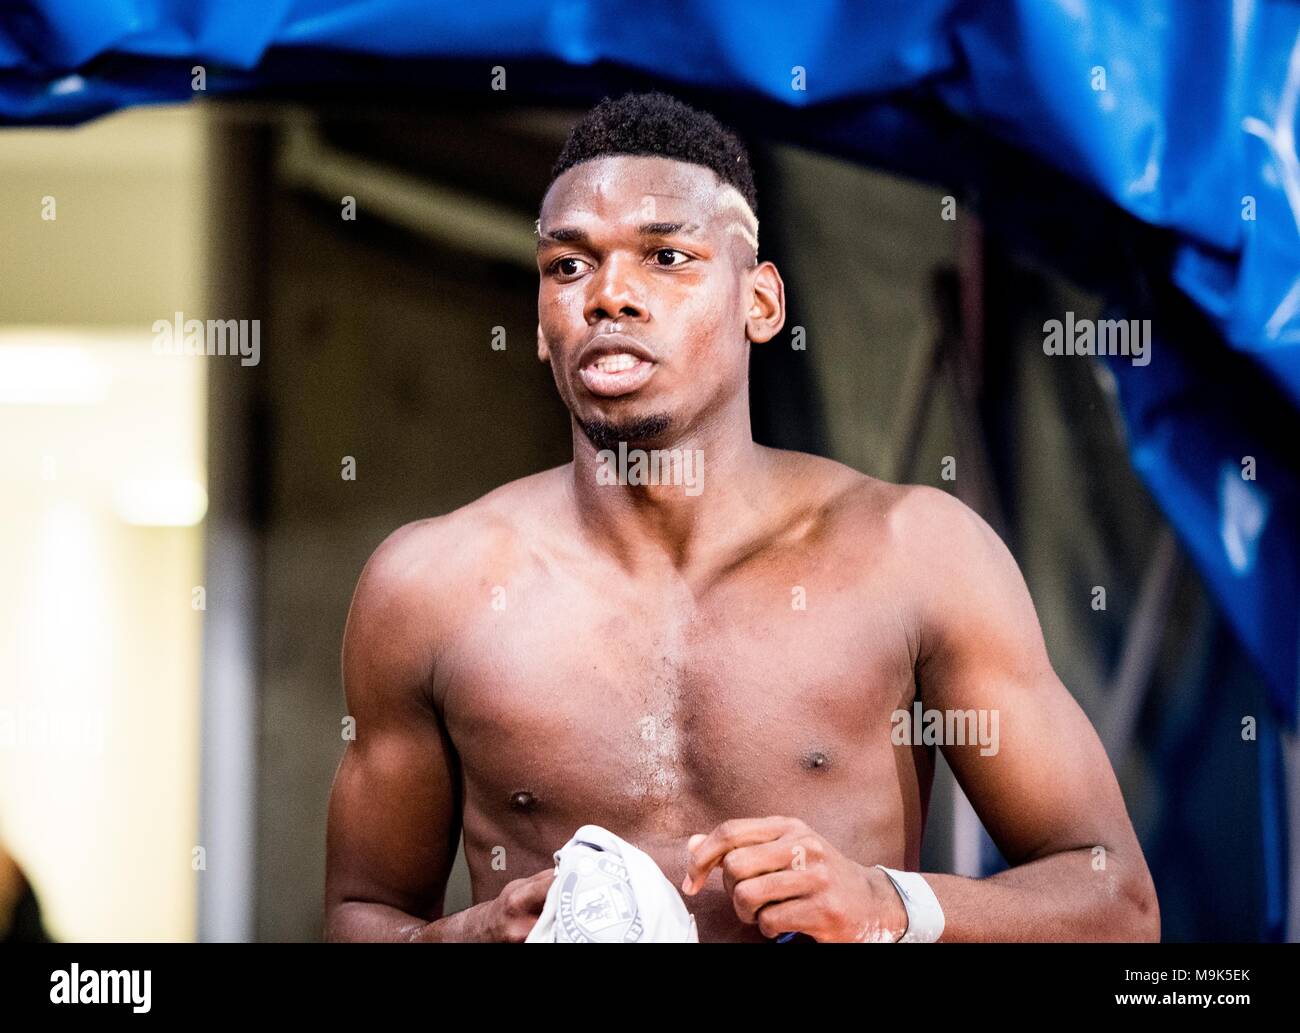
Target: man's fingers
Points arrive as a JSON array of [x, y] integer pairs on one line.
[[737, 832], [751, 895], [796, 915], [529, 894], [748, 862]]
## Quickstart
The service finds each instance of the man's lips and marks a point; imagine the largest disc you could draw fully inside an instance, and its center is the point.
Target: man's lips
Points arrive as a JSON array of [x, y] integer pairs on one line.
[[615, 364]]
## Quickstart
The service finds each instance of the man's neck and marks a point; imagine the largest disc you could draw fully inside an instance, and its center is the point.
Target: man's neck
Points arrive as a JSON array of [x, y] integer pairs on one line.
[[712, 482]]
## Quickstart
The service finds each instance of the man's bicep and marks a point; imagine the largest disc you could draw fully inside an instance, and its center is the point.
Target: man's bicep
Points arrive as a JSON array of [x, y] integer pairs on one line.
[[1045, 784], [394, 819], [1036, 772]]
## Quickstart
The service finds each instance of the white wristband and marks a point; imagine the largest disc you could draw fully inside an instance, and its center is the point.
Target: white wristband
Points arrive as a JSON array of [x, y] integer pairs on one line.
[[924, 915]]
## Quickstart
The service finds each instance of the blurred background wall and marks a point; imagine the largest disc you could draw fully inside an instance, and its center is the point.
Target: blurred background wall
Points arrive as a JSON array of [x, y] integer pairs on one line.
[[102, 464]]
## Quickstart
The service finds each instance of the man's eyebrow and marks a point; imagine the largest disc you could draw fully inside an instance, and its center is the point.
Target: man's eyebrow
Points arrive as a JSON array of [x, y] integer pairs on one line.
[[666, 229], [574, 235], [561, 235]]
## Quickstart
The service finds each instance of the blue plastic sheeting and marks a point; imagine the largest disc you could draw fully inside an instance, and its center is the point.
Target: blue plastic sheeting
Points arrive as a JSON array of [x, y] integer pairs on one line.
[[1210, 444], [1181, 114]]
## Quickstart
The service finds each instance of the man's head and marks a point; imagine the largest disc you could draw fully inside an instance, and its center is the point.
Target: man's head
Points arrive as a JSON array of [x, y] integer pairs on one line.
[[651, 290]]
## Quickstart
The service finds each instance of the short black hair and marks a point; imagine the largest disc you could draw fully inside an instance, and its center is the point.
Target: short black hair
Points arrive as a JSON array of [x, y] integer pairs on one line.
[[660, 125]]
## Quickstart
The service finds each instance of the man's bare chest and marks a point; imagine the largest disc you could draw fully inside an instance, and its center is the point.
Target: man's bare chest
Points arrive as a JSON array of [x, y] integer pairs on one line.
[[655, 698]]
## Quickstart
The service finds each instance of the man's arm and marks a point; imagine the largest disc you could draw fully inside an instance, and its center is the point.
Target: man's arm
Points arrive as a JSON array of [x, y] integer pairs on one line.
[[1048, 795], [394, 818]]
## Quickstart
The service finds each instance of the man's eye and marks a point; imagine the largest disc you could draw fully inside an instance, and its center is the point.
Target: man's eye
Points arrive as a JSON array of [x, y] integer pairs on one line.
[[567, 266], [669, 263]]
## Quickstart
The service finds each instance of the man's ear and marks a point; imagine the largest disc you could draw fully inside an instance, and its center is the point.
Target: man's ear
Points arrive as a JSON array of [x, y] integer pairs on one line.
[[543, 352], [766, 314]]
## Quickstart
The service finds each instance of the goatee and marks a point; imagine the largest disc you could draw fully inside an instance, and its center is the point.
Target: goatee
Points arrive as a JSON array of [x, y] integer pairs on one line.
[[641, 430]]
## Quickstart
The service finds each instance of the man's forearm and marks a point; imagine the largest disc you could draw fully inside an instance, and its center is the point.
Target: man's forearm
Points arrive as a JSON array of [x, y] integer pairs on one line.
[[1064, 896], [366, 922]]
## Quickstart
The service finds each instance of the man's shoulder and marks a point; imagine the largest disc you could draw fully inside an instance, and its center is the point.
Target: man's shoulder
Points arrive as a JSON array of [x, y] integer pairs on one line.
[[946, 553], [924, 514], [467, 542], [919, 523], [413, 592], [858, 498]]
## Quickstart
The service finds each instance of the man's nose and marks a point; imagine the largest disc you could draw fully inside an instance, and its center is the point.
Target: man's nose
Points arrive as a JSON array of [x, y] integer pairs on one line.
[[615, 293]]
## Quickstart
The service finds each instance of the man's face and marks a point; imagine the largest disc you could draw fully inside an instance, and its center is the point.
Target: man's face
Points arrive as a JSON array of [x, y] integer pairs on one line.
[[649, 295]]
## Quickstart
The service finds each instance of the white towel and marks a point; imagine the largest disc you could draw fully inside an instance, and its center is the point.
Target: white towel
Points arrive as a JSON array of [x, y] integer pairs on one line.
[[608, 891]]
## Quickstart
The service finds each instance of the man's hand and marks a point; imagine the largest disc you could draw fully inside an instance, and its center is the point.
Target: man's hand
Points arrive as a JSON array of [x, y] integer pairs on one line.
[[507, 918], [784, 877]]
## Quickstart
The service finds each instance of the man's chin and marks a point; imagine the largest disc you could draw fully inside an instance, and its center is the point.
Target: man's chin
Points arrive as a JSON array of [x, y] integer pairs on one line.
[[643, 431]]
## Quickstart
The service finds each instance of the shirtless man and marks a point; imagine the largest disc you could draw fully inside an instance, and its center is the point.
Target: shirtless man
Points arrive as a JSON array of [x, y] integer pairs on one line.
[[712, 674]]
